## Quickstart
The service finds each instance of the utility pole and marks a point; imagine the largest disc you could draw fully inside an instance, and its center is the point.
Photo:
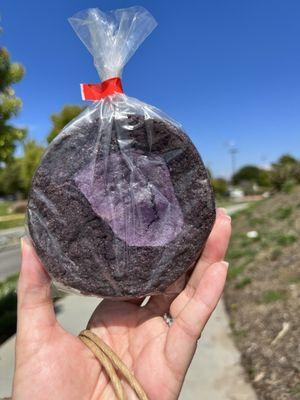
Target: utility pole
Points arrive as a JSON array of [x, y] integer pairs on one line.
[[232, 152]]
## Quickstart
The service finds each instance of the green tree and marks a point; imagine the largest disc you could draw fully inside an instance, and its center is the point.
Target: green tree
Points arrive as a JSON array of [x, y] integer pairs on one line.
[[29, 162], [16, 175], [61, 119], [287, 159], [285, 172], [10, 105], [220, 186], [10, 178], [253, 174]]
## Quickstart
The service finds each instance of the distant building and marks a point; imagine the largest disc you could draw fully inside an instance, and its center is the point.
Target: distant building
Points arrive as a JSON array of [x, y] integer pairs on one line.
[[236, 193]]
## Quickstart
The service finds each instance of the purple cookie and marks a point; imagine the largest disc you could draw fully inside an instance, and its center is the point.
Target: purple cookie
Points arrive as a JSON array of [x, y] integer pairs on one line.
[[124, 217]]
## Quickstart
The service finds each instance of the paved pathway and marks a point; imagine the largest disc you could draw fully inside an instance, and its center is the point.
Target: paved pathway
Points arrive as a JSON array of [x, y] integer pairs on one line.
[[19, 230], [216, 372], [236, 207]]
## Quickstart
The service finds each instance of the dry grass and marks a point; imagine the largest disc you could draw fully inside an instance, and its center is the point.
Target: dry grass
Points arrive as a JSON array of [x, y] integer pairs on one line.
[[263, 294]]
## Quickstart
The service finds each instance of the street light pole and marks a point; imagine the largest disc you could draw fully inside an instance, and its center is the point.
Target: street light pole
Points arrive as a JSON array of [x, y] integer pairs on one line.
[[233, 151]]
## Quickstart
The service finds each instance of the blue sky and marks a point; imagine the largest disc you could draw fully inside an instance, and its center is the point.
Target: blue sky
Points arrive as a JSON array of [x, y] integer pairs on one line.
[[227, 70]]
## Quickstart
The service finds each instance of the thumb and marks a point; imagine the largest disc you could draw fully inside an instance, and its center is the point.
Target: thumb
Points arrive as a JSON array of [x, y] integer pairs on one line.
[[35, 306]]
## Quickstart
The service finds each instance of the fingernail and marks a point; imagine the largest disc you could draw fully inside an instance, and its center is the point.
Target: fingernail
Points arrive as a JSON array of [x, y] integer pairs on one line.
[[228, 217], [222, 210], [225, 263], [24, 240]]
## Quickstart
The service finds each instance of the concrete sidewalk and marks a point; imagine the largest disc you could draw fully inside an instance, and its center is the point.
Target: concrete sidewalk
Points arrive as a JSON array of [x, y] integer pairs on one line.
[[215, 373]]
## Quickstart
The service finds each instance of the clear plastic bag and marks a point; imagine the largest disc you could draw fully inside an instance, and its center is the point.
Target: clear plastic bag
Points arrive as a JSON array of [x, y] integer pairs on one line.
[[121, 204]]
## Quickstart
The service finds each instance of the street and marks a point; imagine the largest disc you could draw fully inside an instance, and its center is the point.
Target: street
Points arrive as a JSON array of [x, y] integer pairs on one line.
[[9, 262]]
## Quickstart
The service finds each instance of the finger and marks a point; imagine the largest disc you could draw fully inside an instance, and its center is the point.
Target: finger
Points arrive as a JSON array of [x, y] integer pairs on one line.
[[35, 306], [214, 251], [189, 323], [215, 247]]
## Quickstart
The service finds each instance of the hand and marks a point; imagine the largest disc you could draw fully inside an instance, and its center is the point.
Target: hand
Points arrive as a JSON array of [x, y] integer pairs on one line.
[[52, 364]]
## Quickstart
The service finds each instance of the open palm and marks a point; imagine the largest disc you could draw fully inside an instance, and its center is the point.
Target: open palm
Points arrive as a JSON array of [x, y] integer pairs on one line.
[[52, 364]]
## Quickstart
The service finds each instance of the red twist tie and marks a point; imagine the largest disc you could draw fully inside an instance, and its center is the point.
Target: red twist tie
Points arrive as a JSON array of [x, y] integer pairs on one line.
[[97, 91]]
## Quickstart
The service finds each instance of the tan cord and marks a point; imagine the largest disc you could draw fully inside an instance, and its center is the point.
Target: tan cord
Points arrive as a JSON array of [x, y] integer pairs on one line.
[[107, 365], [100, 349]]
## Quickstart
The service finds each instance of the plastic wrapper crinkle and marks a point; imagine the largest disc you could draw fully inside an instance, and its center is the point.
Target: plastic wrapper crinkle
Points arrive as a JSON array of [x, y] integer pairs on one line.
[[121, 204]]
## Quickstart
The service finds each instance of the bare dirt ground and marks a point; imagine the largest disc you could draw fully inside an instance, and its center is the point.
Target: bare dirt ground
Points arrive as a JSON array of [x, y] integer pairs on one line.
[[263, 294]]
